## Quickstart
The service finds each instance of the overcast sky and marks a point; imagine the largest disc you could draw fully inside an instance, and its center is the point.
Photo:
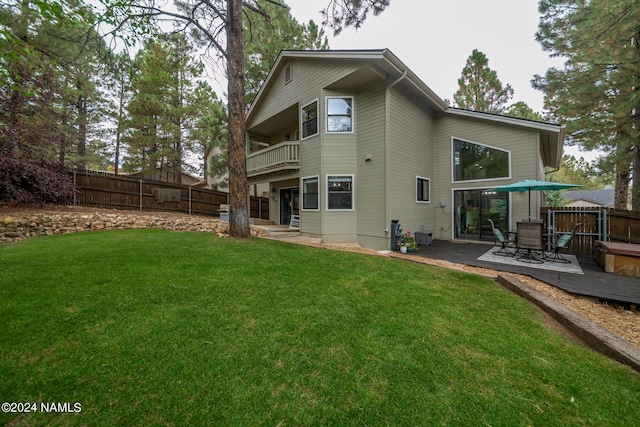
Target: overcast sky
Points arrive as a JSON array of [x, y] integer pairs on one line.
[[434, 38]]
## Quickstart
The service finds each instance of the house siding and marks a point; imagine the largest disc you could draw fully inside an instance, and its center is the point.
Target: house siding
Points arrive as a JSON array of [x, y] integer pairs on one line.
[[310, 150], [338, 157], [370, 175], [524, 148], [402, 129], [308, 77], [410, 155]]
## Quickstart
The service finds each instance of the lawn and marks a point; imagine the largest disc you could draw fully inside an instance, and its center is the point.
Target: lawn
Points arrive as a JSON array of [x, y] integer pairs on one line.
[[163, 328]]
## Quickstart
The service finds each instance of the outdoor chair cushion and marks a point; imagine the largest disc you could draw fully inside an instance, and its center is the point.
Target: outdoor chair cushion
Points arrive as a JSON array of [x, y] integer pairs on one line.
[[563, 240]]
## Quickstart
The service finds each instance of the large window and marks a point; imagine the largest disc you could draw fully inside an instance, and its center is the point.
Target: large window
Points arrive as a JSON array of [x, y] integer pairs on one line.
[[310, 119], [422, 189], [340, 114], [473, 161], [339, 192], [310, 194]]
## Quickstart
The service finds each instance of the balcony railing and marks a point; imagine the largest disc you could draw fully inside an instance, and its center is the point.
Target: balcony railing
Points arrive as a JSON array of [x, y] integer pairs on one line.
[[285, 155]]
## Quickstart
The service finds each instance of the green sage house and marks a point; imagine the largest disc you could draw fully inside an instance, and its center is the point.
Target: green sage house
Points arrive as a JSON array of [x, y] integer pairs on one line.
[[349, 140]]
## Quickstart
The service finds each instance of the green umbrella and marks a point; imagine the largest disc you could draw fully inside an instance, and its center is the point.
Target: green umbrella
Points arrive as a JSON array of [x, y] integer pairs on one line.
[[532, 184]]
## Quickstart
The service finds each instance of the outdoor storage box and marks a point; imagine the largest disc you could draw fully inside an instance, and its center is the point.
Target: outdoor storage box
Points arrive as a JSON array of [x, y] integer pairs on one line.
[[424, 238]]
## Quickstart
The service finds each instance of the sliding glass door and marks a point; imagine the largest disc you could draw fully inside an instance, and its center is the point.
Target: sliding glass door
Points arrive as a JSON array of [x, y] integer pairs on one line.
[[473, 209]]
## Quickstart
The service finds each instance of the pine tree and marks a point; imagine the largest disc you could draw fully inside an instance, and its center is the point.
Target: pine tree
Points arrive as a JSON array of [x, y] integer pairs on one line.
[[162, 111], [596, 92], [266, 38], [522, 110], [479, 88], [209, 133], [48, 60]]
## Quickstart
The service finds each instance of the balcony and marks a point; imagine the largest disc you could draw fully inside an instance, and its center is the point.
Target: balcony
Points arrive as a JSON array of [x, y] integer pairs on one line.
[[279, 157]]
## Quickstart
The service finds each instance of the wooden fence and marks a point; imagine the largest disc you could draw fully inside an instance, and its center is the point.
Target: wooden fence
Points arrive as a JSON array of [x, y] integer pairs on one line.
[[100, 189], [605, 224]]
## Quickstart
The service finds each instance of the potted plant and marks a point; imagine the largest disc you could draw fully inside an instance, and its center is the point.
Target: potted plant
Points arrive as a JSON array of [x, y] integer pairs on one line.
[[410, 242]]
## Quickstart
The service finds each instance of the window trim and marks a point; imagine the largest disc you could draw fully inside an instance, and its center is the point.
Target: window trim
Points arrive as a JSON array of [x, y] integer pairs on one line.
[[302, 180], [453, 166], [317, 101], [353, 191], [418, 178], [353, 114]]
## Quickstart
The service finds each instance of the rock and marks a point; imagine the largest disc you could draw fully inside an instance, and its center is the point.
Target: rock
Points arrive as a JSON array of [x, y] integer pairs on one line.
[[9, 221], [13, 227]]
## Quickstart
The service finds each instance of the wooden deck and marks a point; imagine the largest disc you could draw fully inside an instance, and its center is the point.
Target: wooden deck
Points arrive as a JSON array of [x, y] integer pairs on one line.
[[594, 283]]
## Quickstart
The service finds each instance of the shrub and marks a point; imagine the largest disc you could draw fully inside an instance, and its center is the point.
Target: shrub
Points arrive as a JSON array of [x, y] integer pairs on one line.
[[26, 182]]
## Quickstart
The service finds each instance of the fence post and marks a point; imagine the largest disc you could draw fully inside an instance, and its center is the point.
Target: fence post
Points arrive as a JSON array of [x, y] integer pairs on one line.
[[75, 189], [140, 194], [189, 200]]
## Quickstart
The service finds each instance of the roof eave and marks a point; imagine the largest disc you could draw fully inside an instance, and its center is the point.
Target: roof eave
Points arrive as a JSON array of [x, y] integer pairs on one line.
[[425, 90], [553, 134]]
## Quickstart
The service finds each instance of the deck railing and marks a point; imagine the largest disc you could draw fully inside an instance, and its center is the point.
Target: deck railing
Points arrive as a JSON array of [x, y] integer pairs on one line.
[[608, 224], [285, 154]]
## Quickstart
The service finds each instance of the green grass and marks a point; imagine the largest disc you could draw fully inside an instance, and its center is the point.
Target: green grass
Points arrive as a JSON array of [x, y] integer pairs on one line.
[[164, 328]]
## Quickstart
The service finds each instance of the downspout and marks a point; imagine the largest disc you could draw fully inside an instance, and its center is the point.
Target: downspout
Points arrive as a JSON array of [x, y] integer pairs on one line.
[[387, 151]]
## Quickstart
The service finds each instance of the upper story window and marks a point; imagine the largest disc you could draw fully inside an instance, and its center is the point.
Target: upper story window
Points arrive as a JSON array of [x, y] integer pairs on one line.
[[340, 114], [473, 161], [310, 119]]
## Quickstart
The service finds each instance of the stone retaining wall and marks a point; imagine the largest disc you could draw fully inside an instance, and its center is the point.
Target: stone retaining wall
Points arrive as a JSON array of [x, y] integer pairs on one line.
[[20, 225]]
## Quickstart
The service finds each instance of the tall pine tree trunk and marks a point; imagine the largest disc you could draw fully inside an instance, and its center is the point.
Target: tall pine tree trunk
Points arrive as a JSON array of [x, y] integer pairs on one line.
[[82, 132], [238, 212], [10, 142], [622, 185], [635, 127], [635, 192]]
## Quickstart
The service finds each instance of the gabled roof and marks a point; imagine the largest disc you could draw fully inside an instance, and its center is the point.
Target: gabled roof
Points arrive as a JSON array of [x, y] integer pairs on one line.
[[603, 197], [552, 135], [382, 57]]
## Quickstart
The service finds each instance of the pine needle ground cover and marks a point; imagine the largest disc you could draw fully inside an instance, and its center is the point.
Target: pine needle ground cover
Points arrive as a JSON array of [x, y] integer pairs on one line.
[[163, 328]]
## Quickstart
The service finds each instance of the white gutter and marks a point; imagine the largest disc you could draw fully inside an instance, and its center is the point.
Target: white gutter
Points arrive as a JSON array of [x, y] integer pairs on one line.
[[550, 127]]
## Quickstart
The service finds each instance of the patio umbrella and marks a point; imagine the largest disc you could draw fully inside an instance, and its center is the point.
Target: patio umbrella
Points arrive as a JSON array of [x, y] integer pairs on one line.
[[533, 184]]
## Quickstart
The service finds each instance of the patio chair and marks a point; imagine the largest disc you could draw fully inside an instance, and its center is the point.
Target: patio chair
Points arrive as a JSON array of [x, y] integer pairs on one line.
[[563, 243], [530, 240], [499, 238]]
